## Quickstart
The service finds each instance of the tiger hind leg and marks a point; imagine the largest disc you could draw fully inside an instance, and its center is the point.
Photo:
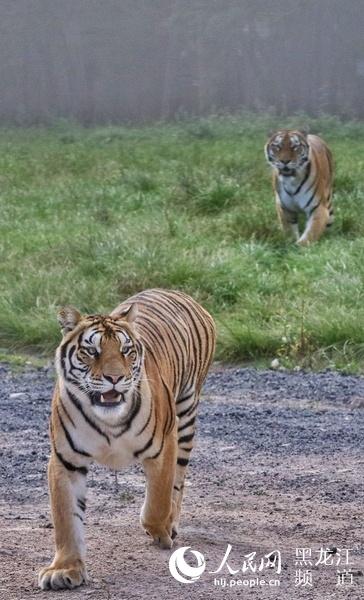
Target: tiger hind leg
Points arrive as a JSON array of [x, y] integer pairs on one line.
[[186, 412]]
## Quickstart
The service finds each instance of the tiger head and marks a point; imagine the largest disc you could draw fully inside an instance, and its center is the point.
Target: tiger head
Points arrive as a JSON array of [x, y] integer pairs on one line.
[[100, 356], [287, 150]]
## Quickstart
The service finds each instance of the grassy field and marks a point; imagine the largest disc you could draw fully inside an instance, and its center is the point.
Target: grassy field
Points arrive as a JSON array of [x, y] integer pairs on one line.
[[89, 216]]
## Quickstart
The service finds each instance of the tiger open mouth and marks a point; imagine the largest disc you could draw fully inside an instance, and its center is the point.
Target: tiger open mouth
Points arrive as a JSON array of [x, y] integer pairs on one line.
[[107, 399], [287, 171]]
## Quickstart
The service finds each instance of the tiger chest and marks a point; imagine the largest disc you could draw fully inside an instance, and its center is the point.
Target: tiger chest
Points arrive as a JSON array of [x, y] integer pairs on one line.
[[103, 447], [115, 457], [118, 453], [299, 202]]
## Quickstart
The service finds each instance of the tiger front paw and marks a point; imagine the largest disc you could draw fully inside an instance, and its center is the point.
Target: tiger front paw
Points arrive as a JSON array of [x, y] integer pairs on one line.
[[162, 535], [303, 242], [163, 531], [68, 576], [160, 532]]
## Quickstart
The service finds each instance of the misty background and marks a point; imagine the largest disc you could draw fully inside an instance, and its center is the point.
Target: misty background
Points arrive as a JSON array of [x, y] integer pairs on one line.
[[104, 61]]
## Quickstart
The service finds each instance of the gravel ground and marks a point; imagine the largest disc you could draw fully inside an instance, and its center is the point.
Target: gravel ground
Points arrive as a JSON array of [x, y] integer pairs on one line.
[[278, 465]]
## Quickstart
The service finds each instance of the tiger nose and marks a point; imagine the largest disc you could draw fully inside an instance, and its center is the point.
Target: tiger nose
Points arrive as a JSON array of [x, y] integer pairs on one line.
[[113, 378]]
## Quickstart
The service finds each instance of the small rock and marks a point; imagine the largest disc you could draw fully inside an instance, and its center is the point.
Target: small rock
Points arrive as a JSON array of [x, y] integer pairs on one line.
[[357, 402], [275, 364], [6, 552], [17, 395]]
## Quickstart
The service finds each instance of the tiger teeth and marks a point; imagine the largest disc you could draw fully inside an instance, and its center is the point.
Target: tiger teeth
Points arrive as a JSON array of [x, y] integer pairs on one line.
[[115, 401]]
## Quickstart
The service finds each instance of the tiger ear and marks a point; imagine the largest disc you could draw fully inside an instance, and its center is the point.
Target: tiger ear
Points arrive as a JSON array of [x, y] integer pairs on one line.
[[129, 313], [304, 130], [68, 317]]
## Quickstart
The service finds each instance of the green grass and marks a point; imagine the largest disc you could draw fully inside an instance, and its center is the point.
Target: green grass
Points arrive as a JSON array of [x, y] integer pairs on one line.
[[89, 216]]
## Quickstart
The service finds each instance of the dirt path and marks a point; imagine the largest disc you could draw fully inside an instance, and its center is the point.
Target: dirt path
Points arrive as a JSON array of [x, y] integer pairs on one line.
[[278, 465]]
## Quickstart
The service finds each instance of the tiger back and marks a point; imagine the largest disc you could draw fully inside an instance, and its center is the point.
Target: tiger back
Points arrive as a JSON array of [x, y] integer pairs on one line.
[[127, 391], [302, 182]]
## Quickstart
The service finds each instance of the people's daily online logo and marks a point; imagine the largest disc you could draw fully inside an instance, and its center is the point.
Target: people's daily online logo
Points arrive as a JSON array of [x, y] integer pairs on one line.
[[187, 566], [181, 570]]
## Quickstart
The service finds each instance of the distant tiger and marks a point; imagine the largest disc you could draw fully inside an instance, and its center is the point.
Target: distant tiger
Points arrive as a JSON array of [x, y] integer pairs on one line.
[[302, 182], [127, 391]]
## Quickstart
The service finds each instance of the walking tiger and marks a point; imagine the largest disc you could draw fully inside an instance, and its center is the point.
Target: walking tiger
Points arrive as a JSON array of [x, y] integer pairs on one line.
[[302, 181], [127, 391]]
